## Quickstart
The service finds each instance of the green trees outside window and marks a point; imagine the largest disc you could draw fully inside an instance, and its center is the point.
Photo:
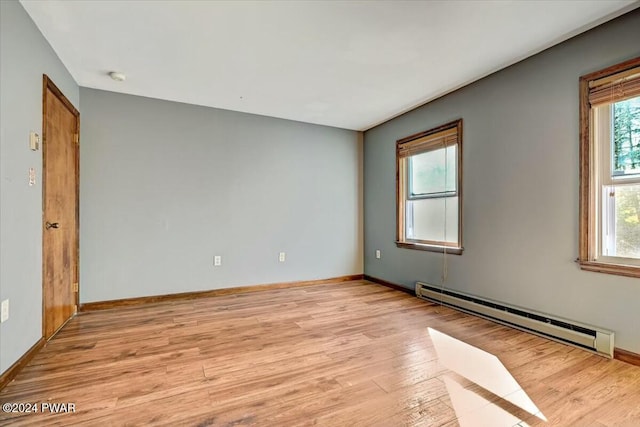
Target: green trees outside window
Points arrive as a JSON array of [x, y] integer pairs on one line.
[[626, 161]]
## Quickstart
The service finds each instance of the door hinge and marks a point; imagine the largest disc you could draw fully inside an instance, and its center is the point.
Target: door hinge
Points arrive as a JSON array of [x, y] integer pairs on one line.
[[76, 138], [75, 287]]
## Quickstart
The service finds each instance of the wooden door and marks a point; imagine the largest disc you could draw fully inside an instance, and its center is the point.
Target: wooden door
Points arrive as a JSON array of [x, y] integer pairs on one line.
[[60, 157]]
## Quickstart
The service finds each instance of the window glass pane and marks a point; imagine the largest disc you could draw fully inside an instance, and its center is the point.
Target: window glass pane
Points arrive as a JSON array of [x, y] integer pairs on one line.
[[426, 219], [627, 208], [621, 221], [626, 137], [433, 171]]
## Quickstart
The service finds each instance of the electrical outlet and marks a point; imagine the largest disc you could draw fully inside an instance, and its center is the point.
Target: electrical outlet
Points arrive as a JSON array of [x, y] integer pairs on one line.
[[217, 260], [378, 253], [282, 257], [5, 311]]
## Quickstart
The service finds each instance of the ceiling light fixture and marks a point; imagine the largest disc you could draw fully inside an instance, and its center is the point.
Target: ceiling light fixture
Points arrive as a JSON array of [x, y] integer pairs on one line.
[[119, 77]]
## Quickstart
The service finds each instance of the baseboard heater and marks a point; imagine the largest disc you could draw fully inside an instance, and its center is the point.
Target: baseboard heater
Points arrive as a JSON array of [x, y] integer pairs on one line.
[[584, 336]]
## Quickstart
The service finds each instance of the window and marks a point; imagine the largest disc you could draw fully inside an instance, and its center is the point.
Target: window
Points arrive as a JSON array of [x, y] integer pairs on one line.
[[610, 170], [429, 191]]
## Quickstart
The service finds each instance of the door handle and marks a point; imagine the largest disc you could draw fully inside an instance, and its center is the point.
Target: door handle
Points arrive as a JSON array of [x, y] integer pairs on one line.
[[49, 225]]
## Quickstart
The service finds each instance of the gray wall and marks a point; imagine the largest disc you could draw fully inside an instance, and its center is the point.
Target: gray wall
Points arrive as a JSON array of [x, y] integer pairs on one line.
[[520, 189], [24, 56], [166, 186]]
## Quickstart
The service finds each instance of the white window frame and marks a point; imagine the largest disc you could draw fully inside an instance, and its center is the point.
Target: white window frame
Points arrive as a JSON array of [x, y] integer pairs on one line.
[[605, 183]]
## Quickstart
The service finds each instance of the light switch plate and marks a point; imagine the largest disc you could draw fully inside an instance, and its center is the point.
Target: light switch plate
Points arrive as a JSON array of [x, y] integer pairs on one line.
[[5, 311], [34, 141], [32, 177]]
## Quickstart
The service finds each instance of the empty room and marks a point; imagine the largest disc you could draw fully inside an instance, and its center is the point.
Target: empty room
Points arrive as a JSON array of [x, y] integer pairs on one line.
[[336, 213]]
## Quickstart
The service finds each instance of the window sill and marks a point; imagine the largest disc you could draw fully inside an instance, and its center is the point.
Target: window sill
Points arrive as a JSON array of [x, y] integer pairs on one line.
[[618, 269], [453, 250]]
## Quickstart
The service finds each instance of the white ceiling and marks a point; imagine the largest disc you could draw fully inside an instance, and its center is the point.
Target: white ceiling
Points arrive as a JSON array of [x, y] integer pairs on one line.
[[349, 64]]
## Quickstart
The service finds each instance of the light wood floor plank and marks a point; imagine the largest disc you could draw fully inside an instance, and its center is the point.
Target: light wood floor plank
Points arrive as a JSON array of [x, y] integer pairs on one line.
[[351, 353]]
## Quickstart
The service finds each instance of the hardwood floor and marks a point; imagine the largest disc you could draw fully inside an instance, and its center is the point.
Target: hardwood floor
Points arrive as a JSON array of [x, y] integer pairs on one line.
[[343, 354]]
